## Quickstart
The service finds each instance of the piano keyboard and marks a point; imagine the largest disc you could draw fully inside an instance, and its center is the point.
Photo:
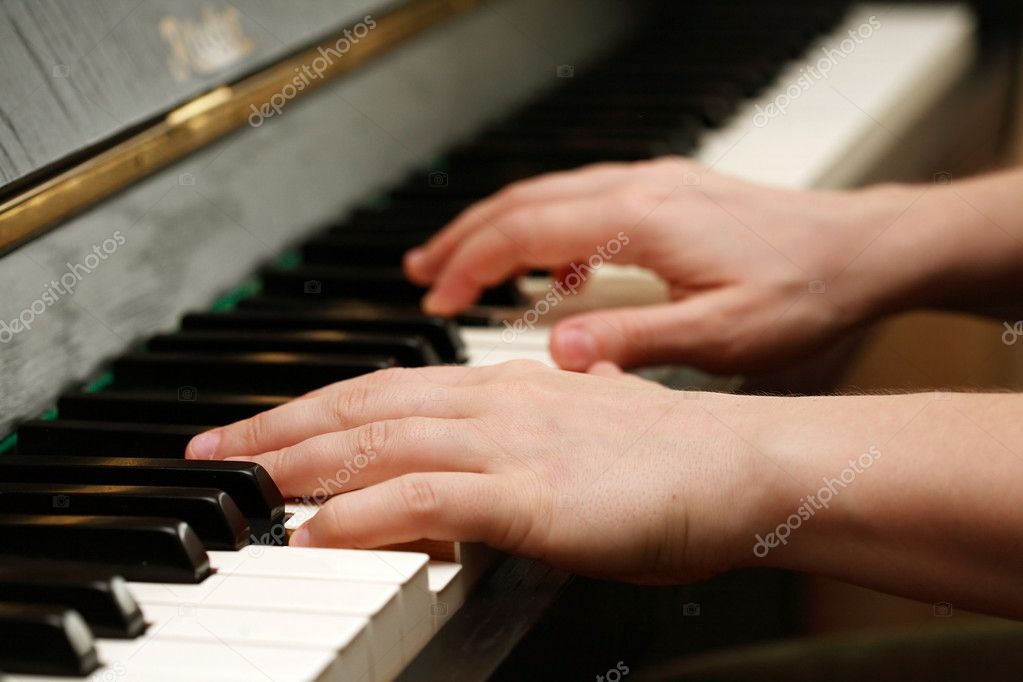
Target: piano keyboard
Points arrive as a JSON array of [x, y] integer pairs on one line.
[[108, 532]]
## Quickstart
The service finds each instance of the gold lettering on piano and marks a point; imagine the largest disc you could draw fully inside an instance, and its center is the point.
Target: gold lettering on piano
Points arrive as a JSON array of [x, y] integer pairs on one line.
[[205, 46]]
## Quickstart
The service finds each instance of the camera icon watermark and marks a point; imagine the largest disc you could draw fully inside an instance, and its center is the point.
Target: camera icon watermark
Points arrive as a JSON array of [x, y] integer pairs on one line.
[[942, 609], [186, 610], [438, 179], [60, 70], [186, 180], [565, 71], [439, 393], [187, 394], [313, 286], [691, 179], [61, 502], [439, 610], [817, 286], [943, 395], [691, 609], [943, 178]]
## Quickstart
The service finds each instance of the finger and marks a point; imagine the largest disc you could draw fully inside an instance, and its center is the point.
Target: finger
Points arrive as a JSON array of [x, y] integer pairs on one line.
[[382, 395], [435, 506], [612, 371], [341, 461], [539, 235], [606, 369], [424, 263], [443, 375], [630, 337]]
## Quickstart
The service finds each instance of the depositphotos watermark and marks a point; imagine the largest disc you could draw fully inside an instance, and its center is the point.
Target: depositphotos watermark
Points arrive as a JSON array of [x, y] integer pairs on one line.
[[812, 504], [56, 289], [1012, 333], [314, 70], [568, 286], [814, 73]]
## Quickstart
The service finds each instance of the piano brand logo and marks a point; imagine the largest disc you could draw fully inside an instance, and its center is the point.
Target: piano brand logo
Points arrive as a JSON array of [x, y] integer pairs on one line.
[[56, 289], [812, 73], [206, 46], [809, 505], [315, 70], [560, 289]]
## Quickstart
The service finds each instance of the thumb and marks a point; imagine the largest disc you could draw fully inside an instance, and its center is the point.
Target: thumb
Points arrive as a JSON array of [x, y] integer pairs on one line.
[[628, 337]]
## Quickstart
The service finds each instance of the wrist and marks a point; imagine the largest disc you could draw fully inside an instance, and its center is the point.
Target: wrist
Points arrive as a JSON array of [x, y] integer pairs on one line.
[[899, 246], [765, 474]]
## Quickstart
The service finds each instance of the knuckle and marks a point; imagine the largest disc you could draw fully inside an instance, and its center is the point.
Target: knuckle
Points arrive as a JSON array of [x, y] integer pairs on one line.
[[516, 191], [674, 162], [418, 496], [383, 377], [257, 429], [525, 366], [636, 201], [371, 438], [344, 405], [521, 219], [639, 333], [332, 522]]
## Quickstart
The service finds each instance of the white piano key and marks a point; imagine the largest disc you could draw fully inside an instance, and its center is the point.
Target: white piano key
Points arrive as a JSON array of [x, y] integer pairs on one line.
[[154, 659], [378, 602], [838, 128], [407, 570], [297, 513], [399, 568], [344, 635], [448, 589]]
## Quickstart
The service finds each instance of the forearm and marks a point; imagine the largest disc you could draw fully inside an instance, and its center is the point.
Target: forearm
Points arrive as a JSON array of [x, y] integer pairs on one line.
[[957, 247], [916, 494]]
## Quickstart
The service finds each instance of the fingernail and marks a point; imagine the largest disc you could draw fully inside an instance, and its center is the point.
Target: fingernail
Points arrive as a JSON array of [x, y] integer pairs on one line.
[[300, 538], [575, 348], [204, 446]]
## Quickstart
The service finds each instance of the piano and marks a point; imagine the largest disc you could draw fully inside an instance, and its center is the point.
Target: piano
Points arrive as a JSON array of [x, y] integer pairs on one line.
[[202, 211]]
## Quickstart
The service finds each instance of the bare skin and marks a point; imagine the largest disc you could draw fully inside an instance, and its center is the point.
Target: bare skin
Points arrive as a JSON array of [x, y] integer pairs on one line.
[[606, 474]]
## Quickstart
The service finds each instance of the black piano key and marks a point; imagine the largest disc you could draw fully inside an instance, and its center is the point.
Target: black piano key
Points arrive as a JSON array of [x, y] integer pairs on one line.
[[101, 597], [456, 185], [262, 373], [441, 333], [145, 549], [363, 309], [387, 285], [349, 248], [471, 317], [408, 351], [575, 151], [45, 640], [248, 484], [404, 217], [104, 439], [366, 283], [166, 407], [210, 512]]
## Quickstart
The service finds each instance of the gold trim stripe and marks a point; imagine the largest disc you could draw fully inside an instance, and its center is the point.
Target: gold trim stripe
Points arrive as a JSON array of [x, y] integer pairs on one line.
[[202, 121]]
